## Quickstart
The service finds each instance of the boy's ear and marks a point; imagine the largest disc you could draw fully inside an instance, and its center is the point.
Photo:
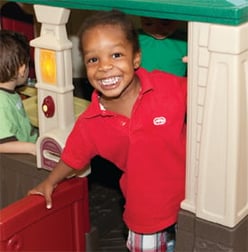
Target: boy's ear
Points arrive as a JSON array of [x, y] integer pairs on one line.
[[22, 70], [137, 60]]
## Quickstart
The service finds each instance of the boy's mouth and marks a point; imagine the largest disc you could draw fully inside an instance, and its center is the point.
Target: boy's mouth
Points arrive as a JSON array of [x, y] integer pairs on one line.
[[110, 81]]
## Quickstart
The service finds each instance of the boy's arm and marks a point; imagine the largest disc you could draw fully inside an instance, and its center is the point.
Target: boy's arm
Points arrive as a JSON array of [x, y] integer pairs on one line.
[[18, 147], [46, 188]]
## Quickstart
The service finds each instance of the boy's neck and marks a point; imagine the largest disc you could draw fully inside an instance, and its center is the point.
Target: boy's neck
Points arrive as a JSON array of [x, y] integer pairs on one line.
[[10, 85], [123, 104]]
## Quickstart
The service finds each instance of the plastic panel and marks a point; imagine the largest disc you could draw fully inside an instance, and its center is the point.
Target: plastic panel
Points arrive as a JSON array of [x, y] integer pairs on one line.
[[27, 225]]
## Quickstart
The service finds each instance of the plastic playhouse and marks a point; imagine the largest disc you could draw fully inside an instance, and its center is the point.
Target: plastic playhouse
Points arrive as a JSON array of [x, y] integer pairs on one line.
[[214, 214]]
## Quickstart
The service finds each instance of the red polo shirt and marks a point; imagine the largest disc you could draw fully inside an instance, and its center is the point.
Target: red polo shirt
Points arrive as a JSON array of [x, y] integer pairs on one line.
[[149, 148]]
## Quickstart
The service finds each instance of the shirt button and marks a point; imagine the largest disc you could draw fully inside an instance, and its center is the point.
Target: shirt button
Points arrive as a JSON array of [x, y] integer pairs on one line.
[[123, 123]]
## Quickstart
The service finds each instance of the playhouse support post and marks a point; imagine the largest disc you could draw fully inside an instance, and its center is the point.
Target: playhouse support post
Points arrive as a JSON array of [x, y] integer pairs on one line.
[[214, 212]]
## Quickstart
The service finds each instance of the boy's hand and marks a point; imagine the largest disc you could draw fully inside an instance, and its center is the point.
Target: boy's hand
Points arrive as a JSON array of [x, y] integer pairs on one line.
[[45, 189], [185, 59]]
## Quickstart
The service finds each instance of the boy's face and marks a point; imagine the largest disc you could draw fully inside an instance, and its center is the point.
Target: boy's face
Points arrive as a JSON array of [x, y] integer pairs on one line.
[[157, 27], [109, 60]]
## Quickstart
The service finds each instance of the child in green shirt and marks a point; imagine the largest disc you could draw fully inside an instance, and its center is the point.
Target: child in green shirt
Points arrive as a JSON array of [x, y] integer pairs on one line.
[[163, 47], [17, 135]]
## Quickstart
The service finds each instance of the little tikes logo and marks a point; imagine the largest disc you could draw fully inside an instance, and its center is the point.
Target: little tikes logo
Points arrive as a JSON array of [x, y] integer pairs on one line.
[[159, 120]]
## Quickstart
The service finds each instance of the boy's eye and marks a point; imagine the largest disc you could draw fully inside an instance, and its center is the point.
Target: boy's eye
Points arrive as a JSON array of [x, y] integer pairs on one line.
[[92, 60], [116, 55]]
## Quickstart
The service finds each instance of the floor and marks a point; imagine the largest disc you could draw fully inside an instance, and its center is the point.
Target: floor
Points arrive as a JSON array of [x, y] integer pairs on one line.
[[106, 204]]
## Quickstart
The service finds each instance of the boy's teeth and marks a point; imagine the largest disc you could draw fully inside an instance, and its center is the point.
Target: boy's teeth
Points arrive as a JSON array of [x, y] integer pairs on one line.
[[110, 81]]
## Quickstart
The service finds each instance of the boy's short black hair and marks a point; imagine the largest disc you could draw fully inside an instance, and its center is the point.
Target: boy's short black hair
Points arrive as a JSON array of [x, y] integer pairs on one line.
[[112, 17], [14, 52]]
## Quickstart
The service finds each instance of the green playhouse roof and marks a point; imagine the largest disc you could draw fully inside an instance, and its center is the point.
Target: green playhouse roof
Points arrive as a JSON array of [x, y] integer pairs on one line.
[[230, 12]]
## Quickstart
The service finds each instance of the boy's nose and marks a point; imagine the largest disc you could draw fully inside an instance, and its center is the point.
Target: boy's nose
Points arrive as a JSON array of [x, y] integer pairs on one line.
[[105, 65]]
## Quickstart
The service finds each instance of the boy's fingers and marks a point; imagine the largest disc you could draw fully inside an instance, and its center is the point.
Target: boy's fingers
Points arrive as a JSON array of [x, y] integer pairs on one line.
[[47, 197], [33, 191], [48, 202], [185, 59]]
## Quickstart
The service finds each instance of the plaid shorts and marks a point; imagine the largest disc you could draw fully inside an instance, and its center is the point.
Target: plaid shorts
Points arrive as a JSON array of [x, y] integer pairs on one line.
[[163, 241]]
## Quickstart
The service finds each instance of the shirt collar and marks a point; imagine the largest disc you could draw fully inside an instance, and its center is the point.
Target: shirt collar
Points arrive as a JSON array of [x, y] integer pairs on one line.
[[94, 108]]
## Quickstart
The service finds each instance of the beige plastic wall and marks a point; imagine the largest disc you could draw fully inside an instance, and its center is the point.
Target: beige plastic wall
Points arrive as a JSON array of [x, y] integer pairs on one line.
[[217, 151]]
